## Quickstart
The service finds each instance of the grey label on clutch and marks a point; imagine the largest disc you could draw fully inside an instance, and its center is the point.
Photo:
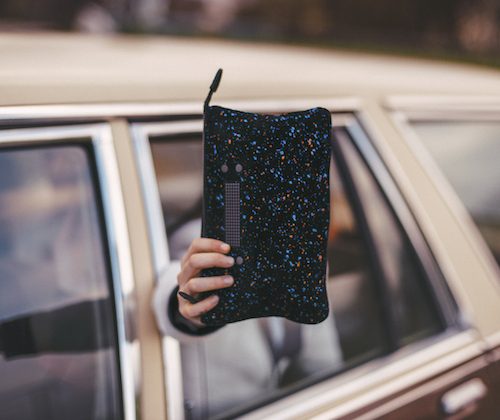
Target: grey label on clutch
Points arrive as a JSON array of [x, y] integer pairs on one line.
[[232, 213]]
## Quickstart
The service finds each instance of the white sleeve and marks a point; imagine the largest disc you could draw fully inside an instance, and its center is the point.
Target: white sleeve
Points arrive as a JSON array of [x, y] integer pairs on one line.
[[162, 298]]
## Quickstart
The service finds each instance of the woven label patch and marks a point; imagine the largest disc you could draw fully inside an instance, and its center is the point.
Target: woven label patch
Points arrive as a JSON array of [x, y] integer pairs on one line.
[[232, 213]]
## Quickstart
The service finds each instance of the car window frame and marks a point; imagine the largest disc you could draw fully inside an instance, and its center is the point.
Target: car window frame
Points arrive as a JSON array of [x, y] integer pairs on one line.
[[98, 137], [456, 336], [407, 225], [171, 348]]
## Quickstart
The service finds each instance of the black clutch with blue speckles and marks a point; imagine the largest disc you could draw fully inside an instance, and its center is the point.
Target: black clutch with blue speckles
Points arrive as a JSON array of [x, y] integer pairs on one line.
[[266, 193]]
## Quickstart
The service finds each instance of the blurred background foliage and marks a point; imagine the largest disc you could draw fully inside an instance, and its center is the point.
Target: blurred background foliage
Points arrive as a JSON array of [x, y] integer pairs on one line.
[[455, 29]]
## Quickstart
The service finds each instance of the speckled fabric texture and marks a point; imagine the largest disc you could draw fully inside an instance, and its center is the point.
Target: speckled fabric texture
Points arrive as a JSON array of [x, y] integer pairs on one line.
[[278, 165]]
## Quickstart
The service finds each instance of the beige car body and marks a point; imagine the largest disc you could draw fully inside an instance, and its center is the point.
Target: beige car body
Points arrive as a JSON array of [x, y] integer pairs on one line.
[[63, 77]]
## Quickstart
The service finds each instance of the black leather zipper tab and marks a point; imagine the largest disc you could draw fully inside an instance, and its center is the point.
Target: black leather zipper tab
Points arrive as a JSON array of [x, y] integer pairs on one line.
[[213, 87]]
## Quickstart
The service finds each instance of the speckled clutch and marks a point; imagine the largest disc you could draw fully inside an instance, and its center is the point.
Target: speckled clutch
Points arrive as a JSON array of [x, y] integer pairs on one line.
[[266, 193]]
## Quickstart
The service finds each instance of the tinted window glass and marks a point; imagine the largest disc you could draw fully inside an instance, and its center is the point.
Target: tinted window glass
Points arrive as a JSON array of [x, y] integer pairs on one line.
[[468, 154], [246, 363], [57, 346]]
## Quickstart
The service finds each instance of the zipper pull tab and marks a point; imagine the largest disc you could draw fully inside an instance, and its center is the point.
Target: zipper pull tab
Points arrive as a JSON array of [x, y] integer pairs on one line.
[[213, 87]]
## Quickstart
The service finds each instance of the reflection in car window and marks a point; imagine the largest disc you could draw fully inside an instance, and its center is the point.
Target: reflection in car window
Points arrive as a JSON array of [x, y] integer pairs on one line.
[[243, 364], [57, 357], [467, 153]]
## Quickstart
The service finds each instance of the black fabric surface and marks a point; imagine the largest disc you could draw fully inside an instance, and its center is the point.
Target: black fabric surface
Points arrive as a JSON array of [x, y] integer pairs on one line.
[[281, 165]]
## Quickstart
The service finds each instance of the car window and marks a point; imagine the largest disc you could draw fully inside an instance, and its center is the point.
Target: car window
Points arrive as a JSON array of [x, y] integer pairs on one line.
[[178, 166], [57, 336], [412, 311], [244, 364], [467, 153]]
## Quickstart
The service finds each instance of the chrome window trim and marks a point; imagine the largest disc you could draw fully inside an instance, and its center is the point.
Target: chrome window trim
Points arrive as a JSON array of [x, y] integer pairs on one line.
[[100, 137], [141, 109], [403, 120], [315, 396]]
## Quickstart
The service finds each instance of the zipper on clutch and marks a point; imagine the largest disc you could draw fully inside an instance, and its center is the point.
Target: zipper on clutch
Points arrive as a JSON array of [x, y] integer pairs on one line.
[[232, 213]]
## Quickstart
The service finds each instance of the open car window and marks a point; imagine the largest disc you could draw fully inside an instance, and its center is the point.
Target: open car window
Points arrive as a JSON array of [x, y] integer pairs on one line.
[[378, 292]]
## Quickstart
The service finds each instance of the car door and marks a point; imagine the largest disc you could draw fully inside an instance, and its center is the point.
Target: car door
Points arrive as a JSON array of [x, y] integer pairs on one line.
[[64, 274], [457, 140], [395, 325], [462, 384]]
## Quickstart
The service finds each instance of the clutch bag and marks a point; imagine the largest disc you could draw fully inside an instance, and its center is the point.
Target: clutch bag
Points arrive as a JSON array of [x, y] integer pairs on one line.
[[266, 192]]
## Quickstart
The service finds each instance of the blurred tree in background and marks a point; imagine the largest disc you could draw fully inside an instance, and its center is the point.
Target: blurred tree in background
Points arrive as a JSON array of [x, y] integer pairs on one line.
[[460, 26]]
